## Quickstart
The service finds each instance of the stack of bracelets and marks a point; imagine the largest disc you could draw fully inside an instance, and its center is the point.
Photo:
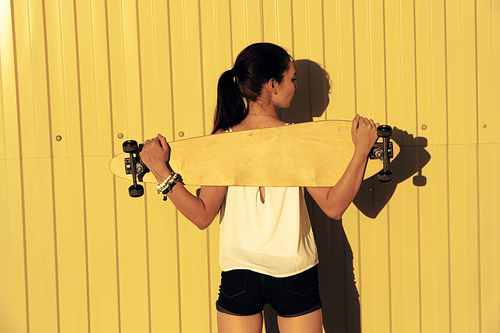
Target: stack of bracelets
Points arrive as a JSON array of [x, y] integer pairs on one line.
[[168, 184]]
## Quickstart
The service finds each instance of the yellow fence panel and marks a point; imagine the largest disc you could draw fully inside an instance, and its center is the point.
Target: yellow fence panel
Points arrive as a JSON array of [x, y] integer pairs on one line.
[[434, 243]]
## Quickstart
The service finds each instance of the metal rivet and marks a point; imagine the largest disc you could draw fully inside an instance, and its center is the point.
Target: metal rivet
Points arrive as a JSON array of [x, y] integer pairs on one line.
[[58, 138], [120, 135], [424, 127], [181, 134]]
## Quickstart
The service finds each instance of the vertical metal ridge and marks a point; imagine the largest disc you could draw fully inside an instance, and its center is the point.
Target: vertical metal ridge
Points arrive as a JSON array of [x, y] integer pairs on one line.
[[277, 17], [476, 70], [179, 301], [478, 181], [354, 58], [52, 170], [261, 4], [82, 150], [385, 58], [209, 280], [355, 99], [370, 54], [448, 206], [202, 75], [202, 86], [146, 206], [340, 67], [155, 49], [143, 129], [292, 26], [139, 67], [419, 228], [233, 58], [323, 37], [389, 256], [110, 91], [115, 194], [21, 166], [172, 103], [171, 67], [148, 265]]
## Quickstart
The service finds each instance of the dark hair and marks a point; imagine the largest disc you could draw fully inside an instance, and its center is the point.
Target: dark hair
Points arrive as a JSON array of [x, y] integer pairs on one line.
[[255, 65]]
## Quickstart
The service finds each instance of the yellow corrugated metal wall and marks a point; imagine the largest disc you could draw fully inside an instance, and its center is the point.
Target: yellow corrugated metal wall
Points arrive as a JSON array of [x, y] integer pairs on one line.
[[78, 77]]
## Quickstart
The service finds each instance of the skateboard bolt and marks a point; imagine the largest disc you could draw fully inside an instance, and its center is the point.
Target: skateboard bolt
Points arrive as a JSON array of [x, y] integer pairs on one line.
[[424, 127], [485, 125], [120, 135], [181, 134], [58, 138]]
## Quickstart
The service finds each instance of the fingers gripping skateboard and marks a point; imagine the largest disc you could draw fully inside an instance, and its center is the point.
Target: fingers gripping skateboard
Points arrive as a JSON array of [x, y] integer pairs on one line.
[[383, 151]]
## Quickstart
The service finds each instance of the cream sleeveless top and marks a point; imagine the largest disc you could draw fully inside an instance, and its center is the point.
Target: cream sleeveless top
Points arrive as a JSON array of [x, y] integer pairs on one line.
[[273, 238]]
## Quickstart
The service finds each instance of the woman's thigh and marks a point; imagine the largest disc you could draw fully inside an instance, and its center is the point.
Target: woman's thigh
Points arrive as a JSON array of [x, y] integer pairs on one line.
[[311, 323], [239, 324]]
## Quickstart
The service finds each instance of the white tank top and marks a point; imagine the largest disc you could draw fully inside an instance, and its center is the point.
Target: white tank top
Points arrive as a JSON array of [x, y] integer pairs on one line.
[[273, 238]]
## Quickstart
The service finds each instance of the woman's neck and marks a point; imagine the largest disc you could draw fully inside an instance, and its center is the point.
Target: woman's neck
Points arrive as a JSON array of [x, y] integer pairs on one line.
[[258, 108], [260, 115]]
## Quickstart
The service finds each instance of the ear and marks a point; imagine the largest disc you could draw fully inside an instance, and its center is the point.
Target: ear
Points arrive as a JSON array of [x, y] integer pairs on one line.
[[272, 84]]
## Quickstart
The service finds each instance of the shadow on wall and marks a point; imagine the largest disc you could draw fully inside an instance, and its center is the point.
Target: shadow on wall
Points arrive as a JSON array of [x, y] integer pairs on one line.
[[341, 308], [374, 195]]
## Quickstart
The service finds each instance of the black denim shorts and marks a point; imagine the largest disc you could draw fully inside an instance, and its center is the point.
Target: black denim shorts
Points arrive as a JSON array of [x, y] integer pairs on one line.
[[244, 293]]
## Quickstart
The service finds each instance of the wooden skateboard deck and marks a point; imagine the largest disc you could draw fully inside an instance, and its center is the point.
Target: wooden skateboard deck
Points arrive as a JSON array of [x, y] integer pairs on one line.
[[305, 154]]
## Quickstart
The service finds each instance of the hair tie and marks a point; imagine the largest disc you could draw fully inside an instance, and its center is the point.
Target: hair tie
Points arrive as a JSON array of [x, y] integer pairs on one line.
[[234, 75]]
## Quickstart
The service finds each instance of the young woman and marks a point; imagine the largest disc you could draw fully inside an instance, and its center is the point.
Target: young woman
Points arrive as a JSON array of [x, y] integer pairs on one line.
[[267, 248]]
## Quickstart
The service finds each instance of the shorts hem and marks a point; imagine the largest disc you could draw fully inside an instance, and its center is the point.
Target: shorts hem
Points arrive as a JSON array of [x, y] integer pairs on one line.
[[222, 310], [314, 308]]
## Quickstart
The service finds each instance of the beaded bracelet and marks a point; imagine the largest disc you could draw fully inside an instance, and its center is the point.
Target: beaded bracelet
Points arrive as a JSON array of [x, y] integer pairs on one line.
[[161, 187], [168, 184]]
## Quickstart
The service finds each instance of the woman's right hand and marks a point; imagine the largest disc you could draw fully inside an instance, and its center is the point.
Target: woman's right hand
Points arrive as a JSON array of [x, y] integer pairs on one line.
[[364, 134], [156, 154]]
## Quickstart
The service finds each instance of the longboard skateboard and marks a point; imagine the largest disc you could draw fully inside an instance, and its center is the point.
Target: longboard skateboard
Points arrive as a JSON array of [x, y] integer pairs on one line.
[[305, 154]]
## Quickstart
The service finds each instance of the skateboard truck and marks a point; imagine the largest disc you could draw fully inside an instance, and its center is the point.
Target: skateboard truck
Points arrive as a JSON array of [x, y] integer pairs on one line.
[[135, 167], [383, 151]]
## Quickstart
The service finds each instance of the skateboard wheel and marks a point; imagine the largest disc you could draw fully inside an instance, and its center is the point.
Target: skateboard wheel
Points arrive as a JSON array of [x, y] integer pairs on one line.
[[130, 146], [385, 176], [136, 191], [384, 131]]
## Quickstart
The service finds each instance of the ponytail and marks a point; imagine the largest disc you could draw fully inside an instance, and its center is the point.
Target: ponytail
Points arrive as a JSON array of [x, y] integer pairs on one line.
[[231, 108]]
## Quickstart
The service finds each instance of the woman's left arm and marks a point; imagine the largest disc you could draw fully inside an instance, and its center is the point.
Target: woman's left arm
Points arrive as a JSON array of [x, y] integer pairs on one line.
[[335, 200]]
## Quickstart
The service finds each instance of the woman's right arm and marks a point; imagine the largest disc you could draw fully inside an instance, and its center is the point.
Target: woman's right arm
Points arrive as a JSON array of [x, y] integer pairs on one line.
[[200, 210], [335, 200]]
